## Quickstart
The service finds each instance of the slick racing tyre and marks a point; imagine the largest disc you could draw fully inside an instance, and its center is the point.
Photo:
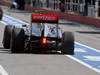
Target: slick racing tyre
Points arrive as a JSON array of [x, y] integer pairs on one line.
[[17, 40], [7, 36], [1, 14], [67, 43]]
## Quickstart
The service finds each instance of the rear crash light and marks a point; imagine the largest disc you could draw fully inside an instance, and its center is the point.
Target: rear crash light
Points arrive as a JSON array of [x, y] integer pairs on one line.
[[44, 40]]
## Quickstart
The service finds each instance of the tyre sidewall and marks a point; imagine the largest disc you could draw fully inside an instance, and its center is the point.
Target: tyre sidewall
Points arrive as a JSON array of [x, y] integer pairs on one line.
[[67, 43], [17, 40], [7, 36], [1, 14]]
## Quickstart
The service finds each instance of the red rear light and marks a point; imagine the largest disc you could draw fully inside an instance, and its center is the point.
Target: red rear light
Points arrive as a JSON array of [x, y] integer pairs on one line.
[[44, 40]]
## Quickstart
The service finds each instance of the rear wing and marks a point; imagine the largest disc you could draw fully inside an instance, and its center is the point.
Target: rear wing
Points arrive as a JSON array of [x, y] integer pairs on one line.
[[44, 18]]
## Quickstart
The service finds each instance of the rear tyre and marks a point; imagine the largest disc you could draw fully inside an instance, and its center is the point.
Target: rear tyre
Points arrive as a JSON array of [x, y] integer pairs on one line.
[[1, 14], [7, 36], [67, 43], [17, 40]]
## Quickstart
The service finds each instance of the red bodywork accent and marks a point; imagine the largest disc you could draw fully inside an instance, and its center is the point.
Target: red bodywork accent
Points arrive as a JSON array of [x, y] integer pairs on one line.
[[44, 18]]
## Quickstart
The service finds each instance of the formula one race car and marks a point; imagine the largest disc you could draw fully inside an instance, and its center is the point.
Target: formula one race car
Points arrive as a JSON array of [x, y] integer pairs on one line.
[[1, 13], [43, 34]]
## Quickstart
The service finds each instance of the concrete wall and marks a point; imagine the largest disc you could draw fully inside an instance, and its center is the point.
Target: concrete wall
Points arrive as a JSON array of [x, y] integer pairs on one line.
[[73, 17], [80, 19], [67, 16]]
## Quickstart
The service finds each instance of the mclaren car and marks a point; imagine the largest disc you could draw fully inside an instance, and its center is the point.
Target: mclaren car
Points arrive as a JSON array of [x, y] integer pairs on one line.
[[43, 34]]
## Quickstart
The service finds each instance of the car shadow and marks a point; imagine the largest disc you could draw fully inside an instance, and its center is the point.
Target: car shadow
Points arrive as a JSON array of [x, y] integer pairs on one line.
[[2, 50], [39, 52], [47, 53], [8, 51]]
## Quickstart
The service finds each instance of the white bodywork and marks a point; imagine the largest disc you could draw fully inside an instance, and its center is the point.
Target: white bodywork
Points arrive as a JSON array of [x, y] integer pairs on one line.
[[49, 30], [52, 31]]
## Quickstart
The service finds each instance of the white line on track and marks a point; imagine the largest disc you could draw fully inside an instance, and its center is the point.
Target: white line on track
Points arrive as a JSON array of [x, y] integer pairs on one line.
[[16, 19], [87, 47], [3, 22], [2, 71], [79, 61]]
